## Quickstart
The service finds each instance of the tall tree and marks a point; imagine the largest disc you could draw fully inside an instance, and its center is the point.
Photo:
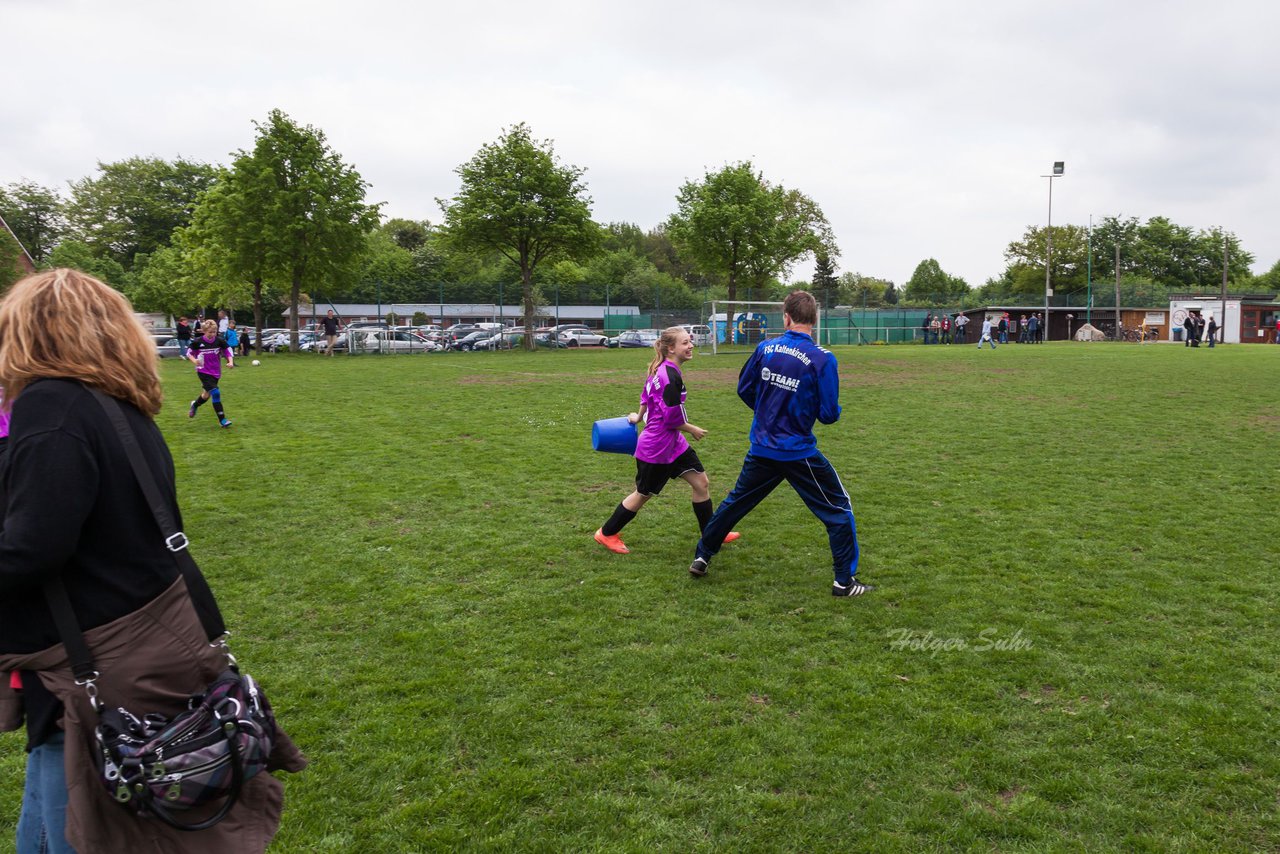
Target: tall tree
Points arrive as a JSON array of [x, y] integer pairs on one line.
[[166, 282], [79, 256], [232, 235], [1026, 261], [862, 291], [36, 214], [824, 282], [1268, 282], [735, 225], [931, 284], [518, 200], [410, 234], [135, 205], [1171, 256], [293, 212], [662, 252], [10, 253]]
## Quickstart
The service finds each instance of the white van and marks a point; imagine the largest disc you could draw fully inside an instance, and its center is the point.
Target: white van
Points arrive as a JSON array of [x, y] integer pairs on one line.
[[700, 334]]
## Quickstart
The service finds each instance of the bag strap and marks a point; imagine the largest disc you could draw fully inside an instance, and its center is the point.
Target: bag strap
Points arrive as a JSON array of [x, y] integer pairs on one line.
[[55, 591]]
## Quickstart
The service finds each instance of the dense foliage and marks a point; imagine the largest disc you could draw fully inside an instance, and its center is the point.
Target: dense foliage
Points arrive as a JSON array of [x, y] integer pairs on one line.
[[288, 220]]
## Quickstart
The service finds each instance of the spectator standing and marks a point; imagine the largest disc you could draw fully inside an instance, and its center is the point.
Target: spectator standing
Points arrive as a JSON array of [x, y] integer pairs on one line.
[[332, 325], [184, 335], [1213, 330], [935, 329], [924, 327], [1033, 328], [1024, 337], [223, 323], [1003, 327], [962, 323], [73, 510], [946, 329]]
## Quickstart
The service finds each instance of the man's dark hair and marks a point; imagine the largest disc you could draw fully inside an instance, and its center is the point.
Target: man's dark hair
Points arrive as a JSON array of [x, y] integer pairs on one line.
[[802, 307]]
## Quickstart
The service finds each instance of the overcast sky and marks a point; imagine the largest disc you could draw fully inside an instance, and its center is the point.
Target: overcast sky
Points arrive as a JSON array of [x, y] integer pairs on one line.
[[920, 127]]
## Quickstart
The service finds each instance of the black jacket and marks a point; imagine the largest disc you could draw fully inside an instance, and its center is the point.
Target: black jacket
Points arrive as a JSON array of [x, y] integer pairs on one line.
[[72, 505]]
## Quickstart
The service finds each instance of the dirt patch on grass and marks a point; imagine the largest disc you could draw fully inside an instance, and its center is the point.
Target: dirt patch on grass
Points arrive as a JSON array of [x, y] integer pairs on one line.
[[529, 378], [1267, 421]]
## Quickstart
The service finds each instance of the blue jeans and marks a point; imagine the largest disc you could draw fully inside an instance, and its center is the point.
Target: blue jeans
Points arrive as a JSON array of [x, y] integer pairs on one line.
[[818, 485], [42, 826]]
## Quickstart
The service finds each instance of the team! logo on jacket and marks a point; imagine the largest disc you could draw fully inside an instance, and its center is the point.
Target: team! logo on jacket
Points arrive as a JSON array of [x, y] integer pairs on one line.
[[779, 380]]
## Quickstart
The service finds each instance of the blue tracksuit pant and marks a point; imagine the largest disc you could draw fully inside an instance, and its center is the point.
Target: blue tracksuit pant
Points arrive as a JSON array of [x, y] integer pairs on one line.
[[817, 484]]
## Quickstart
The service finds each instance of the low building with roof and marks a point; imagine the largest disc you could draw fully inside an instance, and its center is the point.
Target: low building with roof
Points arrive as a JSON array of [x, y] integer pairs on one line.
[[1243, 318]]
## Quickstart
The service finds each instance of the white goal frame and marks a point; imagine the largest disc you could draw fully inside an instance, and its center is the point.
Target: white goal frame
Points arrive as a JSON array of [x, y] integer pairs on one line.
[[717, 307]]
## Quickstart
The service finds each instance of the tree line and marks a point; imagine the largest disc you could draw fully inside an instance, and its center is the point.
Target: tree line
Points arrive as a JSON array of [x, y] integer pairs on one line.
[[288, 218]]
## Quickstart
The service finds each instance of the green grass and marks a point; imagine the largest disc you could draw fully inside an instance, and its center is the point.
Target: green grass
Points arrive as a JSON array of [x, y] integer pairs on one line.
[[402, 546]]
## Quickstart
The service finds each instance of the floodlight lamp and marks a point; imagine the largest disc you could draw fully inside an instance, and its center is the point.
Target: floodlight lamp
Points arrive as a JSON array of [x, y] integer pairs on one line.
[[1058, 167]]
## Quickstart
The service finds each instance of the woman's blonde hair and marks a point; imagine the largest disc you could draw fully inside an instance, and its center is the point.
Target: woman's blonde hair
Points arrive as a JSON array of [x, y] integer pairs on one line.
[[209, 327], [67, 324], [664, 345]]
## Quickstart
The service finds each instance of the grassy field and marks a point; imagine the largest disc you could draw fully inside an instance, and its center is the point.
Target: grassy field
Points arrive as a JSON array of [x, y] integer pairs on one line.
[[1071, 646]]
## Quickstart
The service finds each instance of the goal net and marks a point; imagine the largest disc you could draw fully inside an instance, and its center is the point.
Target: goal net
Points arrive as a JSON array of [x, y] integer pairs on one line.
[[739, 325]]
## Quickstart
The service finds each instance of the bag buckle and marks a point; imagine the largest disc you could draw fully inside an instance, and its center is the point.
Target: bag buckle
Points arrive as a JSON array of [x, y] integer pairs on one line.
[[90, 686], [176, 542]]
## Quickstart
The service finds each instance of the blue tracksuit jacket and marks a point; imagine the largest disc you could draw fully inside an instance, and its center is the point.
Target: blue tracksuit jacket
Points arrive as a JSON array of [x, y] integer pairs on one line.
[[789, 382]]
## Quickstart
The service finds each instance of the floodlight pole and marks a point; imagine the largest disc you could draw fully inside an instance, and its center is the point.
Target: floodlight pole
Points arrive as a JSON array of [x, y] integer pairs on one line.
[[1088, 311], [1222, 321], [1048, 256]]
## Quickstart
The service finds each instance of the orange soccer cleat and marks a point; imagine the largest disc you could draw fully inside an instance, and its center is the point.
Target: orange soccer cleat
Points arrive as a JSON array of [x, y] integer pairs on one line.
[[731, 536], [613, 544]]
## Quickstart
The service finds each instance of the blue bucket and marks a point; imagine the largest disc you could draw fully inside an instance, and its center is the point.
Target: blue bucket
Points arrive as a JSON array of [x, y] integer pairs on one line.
[[614, 435]]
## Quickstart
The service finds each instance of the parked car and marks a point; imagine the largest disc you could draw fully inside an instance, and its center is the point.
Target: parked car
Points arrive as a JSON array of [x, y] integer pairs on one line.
[[582, 338], [638, 338], [700, 333], [549, 340], [167, 347], [511, 339], [279, 342], [316, 343], [469, 341], [459, 331], [394, 341]]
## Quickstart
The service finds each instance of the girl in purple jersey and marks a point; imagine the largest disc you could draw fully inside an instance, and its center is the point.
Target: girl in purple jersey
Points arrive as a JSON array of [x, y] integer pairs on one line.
[[206, 354], [663, 452]]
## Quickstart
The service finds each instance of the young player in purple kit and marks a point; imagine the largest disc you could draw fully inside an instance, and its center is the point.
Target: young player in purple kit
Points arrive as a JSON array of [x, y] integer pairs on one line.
[[205, 353], [662, 452]]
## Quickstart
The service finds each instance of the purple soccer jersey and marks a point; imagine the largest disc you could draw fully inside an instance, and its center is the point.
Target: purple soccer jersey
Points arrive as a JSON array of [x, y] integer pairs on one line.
[[209, 351], [663, 396]]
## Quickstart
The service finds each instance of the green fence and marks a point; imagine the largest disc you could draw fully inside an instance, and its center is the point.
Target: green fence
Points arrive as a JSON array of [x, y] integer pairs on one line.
[[864, 326]]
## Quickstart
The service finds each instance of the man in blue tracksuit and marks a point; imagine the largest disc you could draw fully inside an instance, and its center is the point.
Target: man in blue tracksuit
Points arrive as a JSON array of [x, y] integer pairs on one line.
[[789, 382]]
